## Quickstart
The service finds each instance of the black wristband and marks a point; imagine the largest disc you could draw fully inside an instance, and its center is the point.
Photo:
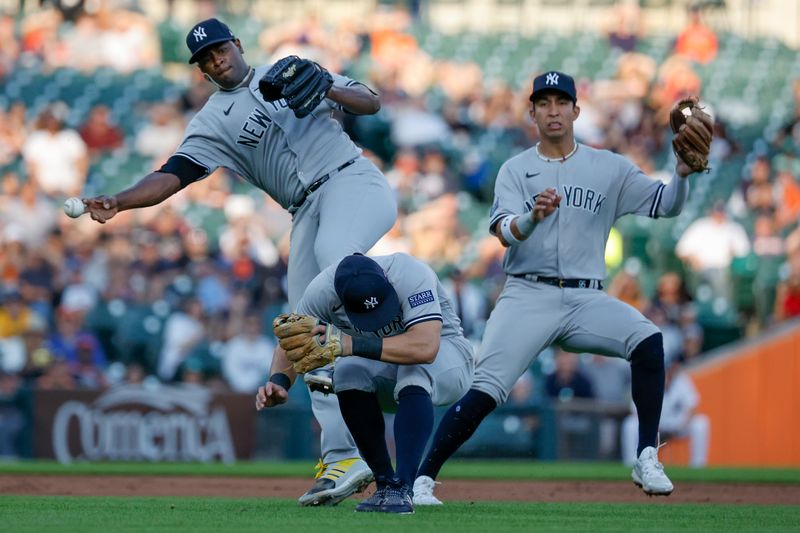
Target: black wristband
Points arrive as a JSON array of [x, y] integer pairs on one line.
[[279, 378], [368, 347]]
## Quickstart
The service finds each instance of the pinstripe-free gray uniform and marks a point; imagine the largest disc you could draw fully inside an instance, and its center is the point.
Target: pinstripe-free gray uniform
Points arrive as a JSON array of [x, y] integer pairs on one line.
[[282, 155], [422, 298], [597, 187]]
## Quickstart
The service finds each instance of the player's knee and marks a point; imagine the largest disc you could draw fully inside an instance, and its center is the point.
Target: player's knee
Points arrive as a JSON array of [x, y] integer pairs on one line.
[[649, 353], [352, 377]]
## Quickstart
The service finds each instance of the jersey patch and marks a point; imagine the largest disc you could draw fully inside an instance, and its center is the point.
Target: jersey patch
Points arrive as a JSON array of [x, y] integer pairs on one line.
[[424, 297]]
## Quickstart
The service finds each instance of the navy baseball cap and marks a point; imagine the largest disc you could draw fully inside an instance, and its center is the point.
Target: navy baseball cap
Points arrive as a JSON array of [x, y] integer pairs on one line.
[[554, 81], [369, 299], [206, 33]]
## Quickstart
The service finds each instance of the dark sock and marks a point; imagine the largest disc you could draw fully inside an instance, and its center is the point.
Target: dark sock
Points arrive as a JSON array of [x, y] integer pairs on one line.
[[457, 426], [363, 416], [413, 425], [647, 388]]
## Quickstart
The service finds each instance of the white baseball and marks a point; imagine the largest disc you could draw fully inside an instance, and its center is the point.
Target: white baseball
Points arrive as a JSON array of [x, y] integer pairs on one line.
[[74, 207]]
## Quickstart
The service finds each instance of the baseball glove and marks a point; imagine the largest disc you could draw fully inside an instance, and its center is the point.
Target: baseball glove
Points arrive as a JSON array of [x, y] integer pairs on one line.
[[304, 348], [693, 129], [303, 83]]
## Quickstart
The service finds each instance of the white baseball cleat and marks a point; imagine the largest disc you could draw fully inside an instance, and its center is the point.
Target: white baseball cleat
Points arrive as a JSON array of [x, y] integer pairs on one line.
[[423, 491], [337, 481], [649, 474]]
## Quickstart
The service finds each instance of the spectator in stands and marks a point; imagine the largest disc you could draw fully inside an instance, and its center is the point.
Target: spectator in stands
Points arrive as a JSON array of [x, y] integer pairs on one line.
[[247, 357], [625, 287], [679, 419], [758, 191], [787, 191], [9, 45], [56, 376], [182, 331], [568, 380], [162, 134], [709, 244], [469, 303], [99, 133], [13, 132], [672, 311], [697, 41], [625, 25], [14, 314], [676, 79], [31, 212], [787, 297], [56, 157], [73, 343]]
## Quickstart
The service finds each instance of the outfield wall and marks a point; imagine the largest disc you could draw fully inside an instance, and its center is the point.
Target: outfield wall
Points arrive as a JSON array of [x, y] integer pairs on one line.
[[751, 393]]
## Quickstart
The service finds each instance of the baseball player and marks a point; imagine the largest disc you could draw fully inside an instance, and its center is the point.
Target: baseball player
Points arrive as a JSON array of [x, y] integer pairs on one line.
[[292, 149], [411, 352], [554, 206]]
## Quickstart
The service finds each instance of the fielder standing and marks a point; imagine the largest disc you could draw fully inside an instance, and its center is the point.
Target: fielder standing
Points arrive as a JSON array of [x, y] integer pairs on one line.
[[554, 206], [288, 145]]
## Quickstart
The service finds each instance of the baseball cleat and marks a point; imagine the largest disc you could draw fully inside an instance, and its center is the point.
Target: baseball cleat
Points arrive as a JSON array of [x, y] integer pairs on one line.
[[337, 481], [398, 498], [648, 474], [373, 503], [423, 491], [320, 380]]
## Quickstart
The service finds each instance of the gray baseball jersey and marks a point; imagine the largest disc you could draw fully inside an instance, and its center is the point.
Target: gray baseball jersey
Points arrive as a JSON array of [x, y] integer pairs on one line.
[[421, 294], [422, 298], [265, 143], [597, 187]]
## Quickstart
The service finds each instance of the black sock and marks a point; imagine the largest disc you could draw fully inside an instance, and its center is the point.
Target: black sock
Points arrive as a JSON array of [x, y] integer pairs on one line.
[[363, 416], [457, 426], [413, 424], [647, 388]]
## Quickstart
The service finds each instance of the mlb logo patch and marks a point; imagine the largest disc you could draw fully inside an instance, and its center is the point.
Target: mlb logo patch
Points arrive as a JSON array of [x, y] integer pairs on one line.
[[424, 297]]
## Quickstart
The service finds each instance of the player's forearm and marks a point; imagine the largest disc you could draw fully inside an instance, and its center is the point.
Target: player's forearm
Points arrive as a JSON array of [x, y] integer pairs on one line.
[[418, 345], [281, 365], [513, 230], [673, 197], [357, 99], [150, 190]]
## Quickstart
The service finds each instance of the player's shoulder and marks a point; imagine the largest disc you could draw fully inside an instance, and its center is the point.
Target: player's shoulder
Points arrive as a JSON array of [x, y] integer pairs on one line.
[[523, 160]]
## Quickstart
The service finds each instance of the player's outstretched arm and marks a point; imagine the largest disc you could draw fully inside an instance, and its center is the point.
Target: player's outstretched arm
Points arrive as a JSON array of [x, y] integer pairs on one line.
[[150, 190], [356, 99]]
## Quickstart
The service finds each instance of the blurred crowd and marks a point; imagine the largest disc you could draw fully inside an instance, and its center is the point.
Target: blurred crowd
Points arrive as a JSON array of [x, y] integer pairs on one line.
[[186, 291]]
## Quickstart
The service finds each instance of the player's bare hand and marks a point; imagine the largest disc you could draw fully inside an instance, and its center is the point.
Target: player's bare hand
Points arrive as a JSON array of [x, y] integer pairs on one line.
[[270, 395], [101, 208], [546, 203]]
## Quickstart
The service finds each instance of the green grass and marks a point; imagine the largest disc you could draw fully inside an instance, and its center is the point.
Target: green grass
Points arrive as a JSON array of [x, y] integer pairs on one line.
[[84, 514], [455, 470]]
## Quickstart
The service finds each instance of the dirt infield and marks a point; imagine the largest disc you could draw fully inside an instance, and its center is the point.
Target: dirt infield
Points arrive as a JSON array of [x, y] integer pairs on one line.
[[464, 490]]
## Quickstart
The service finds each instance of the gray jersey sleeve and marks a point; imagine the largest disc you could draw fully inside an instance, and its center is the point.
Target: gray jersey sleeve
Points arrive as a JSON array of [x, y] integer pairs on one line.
[[343, 81], [509, 196], [200, 147], [639, 194], [416, 286]]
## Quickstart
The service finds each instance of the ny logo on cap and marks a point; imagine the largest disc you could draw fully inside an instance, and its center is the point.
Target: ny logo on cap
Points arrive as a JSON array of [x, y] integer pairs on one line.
[[199, 33], [372, 303], [552, 79]]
